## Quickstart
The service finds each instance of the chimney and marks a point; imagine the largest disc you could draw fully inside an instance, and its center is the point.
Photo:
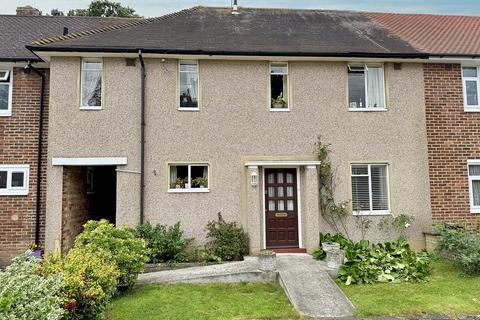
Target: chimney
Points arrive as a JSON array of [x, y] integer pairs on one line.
[[235, 7], [28, 11]]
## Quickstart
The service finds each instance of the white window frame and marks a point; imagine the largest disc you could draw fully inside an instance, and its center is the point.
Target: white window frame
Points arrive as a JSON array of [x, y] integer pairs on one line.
[[369, 174], [8, 112], [466, 107], [365, 68], [270, 86], [473, 208], [180, 62], [15, 191], [189, 189], [82, 107]]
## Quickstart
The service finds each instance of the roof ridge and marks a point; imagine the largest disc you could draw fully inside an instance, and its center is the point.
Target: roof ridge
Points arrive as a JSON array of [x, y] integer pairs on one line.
[[127, 25]]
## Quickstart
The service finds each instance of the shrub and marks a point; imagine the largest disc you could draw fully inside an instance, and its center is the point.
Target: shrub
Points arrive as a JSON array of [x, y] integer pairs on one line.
[[89, 281], [463, 248], [226, 240], [26, 294], [128, 252], [164, 244], [383, 262]]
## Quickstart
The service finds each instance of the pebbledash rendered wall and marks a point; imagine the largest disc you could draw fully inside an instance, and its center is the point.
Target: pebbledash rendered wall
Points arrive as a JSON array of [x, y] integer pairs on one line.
[[18, 145], [234, 123], [452, 140]]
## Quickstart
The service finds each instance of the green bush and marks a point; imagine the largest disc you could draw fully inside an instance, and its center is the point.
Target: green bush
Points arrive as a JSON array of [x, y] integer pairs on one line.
[[164, 244], [462, 247], [226, 240], [89, 281], [128, 252], [25, 294], [339, 238], [383, 262]]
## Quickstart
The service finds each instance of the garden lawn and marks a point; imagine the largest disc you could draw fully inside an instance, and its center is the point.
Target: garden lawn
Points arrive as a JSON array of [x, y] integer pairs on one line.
[[447, 293], [195, 301]]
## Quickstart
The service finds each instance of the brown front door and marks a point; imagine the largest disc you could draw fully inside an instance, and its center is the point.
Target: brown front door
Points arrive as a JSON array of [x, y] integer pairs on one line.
[[281, 208]]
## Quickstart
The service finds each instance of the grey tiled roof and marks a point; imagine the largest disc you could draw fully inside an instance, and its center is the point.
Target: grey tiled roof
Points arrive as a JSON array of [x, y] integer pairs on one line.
[[253, 31], [18, 31]]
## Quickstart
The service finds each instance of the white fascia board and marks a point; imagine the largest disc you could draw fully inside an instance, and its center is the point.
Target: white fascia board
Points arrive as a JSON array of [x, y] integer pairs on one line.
[[100, 161], [282, 163]]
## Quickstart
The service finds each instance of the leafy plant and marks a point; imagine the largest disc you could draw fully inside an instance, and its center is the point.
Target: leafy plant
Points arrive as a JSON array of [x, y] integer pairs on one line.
[[279, 99], [164, 244], [463, 248], [226, 240], [397, 224], [200, 181], [128, 252], [89, 281], [25, 294]]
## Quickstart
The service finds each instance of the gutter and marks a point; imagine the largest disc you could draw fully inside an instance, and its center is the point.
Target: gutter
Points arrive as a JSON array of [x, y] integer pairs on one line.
[[142, 138], [39, 151]]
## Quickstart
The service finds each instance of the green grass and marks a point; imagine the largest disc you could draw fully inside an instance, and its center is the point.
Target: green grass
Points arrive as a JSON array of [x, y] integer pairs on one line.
[[194, 301], [447, 293]]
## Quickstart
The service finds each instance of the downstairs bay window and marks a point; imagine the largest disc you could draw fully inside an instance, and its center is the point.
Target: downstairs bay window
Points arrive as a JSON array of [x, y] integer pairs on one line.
[[370, 194], [188, 178], [366, 87]]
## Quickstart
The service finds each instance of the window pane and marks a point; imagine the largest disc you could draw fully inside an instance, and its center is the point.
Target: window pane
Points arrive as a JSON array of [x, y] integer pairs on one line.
[[279, 90], [92, 88], [4, 97], [379, 187], [289, 178], [281, 205], [3, 179], [289, 192], [375, 87], [4, 75], [476, 192], [199, 175], [359, 169], [360, 194], [472, 94], [271, 178], [280, 191], [279, 177], [271, 205], [279, 69], [188, 90], [92, 65], [356, 89], [271, 192], [178, 177], [469, 72], [474, 170], [188, 67], [17, 179], [290, 206]]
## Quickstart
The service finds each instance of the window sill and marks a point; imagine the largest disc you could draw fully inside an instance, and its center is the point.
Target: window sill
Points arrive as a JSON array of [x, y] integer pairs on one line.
[[368, 109], [475, 210], [372, 213], [89, 108], [470, 109], [188, 109], [22, 192], [280, 109], [5, 113], [199, 190]]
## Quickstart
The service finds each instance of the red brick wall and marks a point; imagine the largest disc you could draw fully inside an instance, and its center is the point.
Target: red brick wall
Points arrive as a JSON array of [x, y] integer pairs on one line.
[[75, 204], [18, 145], [453, 138]]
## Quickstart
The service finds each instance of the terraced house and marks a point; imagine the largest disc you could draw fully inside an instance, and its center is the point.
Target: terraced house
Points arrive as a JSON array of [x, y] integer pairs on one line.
[[213, 110]]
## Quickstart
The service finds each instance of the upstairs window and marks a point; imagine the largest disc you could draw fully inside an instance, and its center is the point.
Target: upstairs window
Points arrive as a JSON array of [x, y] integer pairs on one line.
[[14, 180], [279, 86], [5, 93], [470, 77], [91, 84], [370, 189], [188, 178], [188, 85], [366, 87], [474, 185]]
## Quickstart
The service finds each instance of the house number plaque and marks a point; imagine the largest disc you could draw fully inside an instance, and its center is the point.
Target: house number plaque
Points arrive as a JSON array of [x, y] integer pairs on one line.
[[281, 214]]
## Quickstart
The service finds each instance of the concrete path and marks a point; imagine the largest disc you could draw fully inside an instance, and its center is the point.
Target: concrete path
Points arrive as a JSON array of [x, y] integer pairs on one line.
[[305, 281]]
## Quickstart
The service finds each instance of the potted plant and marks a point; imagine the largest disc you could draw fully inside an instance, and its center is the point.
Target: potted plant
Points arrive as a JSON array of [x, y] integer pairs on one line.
[[35, 249], [201, 182], [267, 259], [279, 102], [179, 183]]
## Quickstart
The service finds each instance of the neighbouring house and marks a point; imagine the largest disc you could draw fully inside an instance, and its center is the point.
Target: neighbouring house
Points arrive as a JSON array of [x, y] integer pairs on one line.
[[23, 149], [214, 110]]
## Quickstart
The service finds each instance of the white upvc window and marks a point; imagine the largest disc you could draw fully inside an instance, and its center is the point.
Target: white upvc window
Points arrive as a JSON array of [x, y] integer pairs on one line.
[[91, 84], [186, 177], [6, 92], [279, 86], [188, 85], [474, 185], [470, 81], [366, 87], [370, 190], [14, 180]]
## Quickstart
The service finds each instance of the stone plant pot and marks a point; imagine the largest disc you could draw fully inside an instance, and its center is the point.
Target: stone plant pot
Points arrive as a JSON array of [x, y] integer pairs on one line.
[[335, 257], [267, 260]]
